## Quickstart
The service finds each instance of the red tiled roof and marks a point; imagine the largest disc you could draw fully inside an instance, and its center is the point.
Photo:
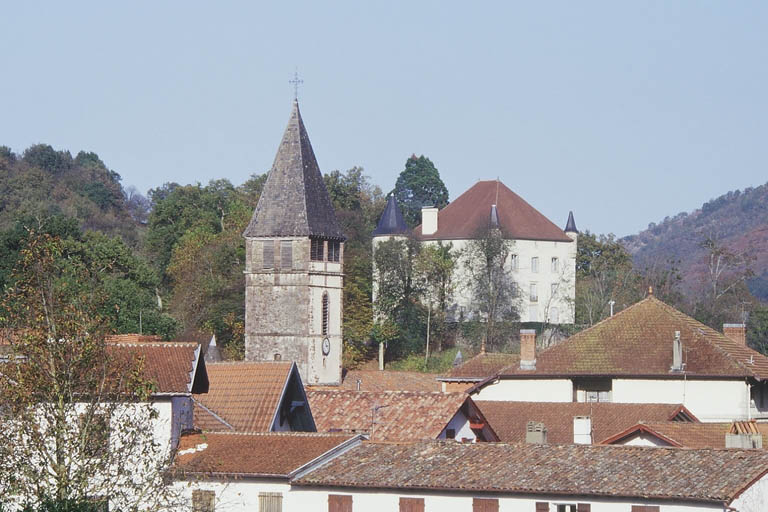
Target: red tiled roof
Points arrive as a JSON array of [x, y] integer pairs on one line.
[[401, 415], [246, 395], [263, 454], [482, 366], [575, 470], [686, 435], [470, 213], [638, 342], [171, 365], [509, 419], [385, 380]]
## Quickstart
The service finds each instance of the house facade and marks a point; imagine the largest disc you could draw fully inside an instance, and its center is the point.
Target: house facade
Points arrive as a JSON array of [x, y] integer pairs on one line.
[[541, 257]]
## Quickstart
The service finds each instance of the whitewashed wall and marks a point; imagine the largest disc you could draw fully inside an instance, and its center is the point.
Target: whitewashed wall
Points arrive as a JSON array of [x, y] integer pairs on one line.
[[754, 498], [460, 423], [528, 390], [708, 400], [237, 495], [642, 439]]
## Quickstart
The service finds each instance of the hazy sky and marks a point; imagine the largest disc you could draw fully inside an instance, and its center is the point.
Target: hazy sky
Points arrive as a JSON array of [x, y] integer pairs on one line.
[[624, 112]]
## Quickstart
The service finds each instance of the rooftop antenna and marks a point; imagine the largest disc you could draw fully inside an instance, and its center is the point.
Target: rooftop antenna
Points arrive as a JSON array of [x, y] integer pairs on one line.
[[497, 190], [611, 303], [296, 82]]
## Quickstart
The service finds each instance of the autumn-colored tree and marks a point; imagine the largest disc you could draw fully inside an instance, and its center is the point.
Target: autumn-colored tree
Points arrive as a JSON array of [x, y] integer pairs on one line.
[[74, 413]]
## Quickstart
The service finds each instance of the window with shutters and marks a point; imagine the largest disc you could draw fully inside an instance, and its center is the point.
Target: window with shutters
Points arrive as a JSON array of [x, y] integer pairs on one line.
[[326, 314], [542, 506], [268, 254], [286, 254], [270, 502], [563, 507], [334, 251], [203, 501], [411, 504], [339, 503], [485, 505], [645, 508], [316, 250]]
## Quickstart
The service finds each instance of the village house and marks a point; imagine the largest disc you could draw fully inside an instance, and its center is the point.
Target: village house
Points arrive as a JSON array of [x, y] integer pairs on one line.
[[574, 422], [736, 434], [400, 416], [542, 258], [647, 353], [246, 396]]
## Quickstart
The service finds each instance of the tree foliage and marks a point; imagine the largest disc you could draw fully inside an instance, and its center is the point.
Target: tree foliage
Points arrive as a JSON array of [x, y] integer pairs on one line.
[[73, 412], [419, 185]]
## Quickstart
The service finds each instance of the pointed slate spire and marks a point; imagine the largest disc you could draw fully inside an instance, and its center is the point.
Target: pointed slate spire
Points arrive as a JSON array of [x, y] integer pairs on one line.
[[570, 226], [391, 221], [294, 201], [494, 217]]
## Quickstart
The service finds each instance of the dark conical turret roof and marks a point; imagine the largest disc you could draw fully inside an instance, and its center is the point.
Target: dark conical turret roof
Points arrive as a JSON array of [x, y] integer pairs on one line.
[[294, 201], [391, 221], [570, 226]]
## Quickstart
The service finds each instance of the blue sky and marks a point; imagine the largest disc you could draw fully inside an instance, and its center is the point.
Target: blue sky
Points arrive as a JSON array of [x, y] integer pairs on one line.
[[624, 112]]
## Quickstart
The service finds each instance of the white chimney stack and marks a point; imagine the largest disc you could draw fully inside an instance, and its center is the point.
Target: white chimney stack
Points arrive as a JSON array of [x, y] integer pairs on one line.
[[582, 430], [677, 353], [428, 220]]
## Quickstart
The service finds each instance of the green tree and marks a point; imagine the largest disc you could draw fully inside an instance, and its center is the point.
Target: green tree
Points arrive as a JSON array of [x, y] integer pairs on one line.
[[418, 185], [434, 267], [74, 412]]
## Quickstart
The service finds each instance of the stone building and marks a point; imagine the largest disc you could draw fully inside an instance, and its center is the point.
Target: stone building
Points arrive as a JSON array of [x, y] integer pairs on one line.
[[294, 265]]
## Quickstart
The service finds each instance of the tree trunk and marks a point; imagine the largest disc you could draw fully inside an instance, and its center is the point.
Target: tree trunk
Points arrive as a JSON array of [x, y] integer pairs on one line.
[[381, 356], [426, 352]]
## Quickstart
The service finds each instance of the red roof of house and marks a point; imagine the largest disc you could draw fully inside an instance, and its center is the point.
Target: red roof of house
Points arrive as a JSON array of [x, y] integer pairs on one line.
[[509, 419], [400, 415], [714, 476], [470, 213], [481, 366], [245, 395], [175, 367], [687, 435], [255, 454], [384, 380], [638, 342]]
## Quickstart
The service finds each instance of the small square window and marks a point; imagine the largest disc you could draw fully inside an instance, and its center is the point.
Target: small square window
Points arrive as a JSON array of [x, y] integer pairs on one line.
[[450, 433]]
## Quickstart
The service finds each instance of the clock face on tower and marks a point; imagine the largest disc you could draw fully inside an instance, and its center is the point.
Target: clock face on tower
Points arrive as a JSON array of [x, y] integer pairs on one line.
[[326, 346]]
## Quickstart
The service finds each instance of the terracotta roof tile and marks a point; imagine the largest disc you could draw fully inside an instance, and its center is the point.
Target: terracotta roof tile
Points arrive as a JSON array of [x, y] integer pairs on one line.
[[266, 454], [245, 395], [574, 470], [509, 419], [470, 213], [686, 435], [482, 366], [386, 380], [401, 415], [638, 341], [171, 365]]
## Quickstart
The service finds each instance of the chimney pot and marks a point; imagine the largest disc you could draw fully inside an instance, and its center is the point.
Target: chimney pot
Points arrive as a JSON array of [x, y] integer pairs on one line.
[[677, 353], [527, 349], [535, 433], [736, 332], [428, 220]]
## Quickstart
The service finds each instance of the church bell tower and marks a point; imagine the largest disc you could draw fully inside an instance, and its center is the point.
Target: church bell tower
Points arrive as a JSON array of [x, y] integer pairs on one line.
[[294, 265]]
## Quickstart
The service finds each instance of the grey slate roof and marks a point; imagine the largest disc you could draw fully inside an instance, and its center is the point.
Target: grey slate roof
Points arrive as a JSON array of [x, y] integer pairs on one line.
[[570, 226], [391, 221], [294, 201]]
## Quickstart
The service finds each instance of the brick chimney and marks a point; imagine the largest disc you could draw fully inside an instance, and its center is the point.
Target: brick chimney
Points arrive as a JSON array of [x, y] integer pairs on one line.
[[736, 332], [527, 349]]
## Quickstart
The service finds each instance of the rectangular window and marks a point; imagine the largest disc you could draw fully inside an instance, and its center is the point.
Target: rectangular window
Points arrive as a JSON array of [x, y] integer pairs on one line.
[[566, 508], [270, 502], [485, 505], [339, 503], [268, 254], [316, 250], [535, 264], [555, 265], [203, 501], [95, 430], [534, 295], [411, 504], [334, 251], [553, 289], [554, 315], [513, 262], [286, 254], [450, 433], [533, 313]]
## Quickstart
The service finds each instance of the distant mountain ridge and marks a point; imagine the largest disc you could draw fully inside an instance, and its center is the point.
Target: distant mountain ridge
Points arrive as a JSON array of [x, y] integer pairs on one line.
[[738, 220]]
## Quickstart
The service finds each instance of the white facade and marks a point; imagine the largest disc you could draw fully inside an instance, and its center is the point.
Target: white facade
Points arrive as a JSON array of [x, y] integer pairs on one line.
[[527, 390]]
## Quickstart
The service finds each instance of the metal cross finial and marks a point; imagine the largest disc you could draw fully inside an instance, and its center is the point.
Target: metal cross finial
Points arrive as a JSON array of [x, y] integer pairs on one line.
[[296, 81]]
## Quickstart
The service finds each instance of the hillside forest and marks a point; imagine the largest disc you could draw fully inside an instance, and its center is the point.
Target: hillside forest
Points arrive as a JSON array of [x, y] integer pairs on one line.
[[171, 261]]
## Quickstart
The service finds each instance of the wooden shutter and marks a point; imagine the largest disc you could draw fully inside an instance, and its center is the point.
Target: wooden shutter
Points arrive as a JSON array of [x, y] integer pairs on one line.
[[268, 254], [286, 254], [645, 508], [485, 505], [270, 502], [583, 507], [339, 503], [542, 506], [411, 504]]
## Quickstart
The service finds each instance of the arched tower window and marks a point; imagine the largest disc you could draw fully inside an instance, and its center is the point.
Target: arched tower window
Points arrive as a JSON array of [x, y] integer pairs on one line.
[[325, 314]]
